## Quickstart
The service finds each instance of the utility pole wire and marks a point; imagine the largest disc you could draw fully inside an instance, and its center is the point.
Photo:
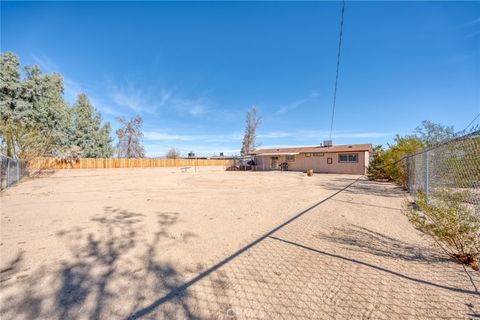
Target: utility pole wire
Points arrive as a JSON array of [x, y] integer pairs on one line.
[[338, 67], [471, 122]]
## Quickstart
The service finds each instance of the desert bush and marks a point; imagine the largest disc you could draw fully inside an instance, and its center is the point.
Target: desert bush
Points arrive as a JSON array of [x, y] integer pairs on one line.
[[387, 164], [453, 222], [376, 168]]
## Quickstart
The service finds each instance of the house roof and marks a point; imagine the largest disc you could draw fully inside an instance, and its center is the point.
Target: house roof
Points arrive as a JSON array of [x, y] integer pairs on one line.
[[339, 148], [278, 153]]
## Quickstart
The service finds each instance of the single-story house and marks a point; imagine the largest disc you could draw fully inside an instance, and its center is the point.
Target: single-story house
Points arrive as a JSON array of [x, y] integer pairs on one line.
[[352, 159]]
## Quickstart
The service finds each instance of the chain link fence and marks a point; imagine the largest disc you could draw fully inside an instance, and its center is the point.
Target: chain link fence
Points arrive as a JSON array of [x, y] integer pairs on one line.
[[453, 165], [11, 171]]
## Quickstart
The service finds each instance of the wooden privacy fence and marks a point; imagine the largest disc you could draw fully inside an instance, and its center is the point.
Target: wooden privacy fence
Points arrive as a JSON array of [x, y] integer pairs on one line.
[[101, 163]]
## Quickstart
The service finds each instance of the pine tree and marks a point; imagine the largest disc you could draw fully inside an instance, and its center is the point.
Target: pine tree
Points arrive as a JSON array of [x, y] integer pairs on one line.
[[88, 134], [34, 115], [36, 121], [45, 106], [10, 89]]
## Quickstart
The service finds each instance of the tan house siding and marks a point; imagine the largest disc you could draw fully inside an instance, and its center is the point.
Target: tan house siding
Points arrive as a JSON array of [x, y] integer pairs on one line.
[[321, 165], [367, 160], [320, 162]]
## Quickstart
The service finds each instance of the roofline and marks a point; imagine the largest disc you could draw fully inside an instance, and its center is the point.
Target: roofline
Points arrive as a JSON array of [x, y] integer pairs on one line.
[[320, 149], [278, 154]]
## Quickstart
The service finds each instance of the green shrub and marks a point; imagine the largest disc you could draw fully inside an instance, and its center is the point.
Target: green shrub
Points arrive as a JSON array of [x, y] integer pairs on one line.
[[388, 164], [453, 222], [376, 168]]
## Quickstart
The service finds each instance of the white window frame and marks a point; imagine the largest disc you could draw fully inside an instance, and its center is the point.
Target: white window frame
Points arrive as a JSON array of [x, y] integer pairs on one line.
[[348, 155]]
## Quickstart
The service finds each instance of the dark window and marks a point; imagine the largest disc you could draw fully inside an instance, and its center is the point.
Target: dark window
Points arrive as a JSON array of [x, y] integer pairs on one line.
[[348, 158], [329, 160]]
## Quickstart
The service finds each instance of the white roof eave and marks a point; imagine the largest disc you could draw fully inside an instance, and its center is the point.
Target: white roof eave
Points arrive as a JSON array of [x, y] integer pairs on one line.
[[278, 154]]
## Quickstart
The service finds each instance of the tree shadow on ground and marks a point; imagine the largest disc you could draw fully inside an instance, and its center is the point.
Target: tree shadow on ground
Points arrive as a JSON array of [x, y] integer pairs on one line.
[[372, 188], [42, 173], [362, 240], [381, 268], [367, 204], [273, 277], [335, 184], [118, 273], [12, 268], [105, 268]]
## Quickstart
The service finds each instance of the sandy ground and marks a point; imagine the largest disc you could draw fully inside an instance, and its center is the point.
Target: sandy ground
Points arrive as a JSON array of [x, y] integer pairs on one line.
[[157, 243]]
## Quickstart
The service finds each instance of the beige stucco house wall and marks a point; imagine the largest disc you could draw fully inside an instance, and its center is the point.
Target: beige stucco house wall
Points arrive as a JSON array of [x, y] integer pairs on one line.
[[351, 159]]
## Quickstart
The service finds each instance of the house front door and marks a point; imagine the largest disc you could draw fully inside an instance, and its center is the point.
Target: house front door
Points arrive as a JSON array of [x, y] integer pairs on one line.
[[274, 163]]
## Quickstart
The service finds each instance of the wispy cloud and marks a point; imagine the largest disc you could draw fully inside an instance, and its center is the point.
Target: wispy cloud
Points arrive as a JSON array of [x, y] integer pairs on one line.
[[162, 136], [473, 34], [297, 103], [473, 22], [150, 101], [165, 96], [291, 106], [45, 63], [274, 146], [194, 107], [137, 100], [363, 134], [318, 134], [275, 135], [159, 142], [103, 108], [72, 88], [157, 150], [471, 25], [462, 57]]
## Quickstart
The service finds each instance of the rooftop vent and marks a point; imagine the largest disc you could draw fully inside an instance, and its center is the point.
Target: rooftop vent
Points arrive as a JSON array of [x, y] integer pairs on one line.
[[327, 143]]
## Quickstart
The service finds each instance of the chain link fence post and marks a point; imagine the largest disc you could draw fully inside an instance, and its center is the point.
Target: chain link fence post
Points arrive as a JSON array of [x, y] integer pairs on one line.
[[427, 174], [11, 171], [8, 173], [453, 166]]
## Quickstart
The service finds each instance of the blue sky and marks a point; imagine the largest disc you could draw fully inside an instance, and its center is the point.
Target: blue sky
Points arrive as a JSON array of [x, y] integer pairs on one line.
[[192, 70]]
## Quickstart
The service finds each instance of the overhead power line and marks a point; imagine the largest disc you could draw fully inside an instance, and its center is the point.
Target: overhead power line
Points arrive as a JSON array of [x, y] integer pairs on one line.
[[338, 68], [471, 122]]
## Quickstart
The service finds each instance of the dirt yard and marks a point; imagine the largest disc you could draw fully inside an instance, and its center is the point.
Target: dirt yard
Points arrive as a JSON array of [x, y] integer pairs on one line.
[[157, 243]]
